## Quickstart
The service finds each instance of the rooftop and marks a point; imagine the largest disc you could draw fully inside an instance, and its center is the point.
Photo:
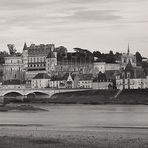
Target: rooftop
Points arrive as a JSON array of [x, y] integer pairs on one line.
[[42, 76]]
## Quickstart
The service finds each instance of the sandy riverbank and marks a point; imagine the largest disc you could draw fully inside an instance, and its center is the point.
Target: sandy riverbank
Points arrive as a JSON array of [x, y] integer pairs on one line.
[[35, 137]]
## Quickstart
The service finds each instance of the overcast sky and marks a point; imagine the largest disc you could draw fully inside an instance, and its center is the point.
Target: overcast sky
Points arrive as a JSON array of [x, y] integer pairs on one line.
[[93, 24]]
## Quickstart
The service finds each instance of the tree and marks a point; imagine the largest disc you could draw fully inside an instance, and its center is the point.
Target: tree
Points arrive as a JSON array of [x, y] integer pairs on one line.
[[3, 54], [138, 58], [110, 58], [97, 54]]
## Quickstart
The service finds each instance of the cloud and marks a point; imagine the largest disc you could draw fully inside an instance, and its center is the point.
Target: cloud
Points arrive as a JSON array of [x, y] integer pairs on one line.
[[65, 19], [96, 15], [24, 4]]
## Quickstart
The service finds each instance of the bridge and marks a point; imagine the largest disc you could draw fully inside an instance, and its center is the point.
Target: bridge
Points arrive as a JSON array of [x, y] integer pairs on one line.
[[29, 91]]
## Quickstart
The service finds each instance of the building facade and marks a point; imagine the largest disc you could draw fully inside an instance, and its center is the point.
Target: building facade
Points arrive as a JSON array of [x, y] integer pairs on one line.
[[103, 67], [41, 80], [13, 68], [34, 58]]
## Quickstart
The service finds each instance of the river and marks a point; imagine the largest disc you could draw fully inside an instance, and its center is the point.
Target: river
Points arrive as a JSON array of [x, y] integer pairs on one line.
[[79, 116]]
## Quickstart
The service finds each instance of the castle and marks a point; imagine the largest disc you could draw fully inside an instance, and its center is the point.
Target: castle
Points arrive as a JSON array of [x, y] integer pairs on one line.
[[48, 66], [45, 59]]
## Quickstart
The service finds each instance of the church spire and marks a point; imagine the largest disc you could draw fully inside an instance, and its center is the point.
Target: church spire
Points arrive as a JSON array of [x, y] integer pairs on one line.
[[25, 46], [128, 51]]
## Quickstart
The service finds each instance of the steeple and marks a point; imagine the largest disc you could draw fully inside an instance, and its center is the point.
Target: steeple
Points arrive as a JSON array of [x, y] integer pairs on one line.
[[25, 46], [128, 51]]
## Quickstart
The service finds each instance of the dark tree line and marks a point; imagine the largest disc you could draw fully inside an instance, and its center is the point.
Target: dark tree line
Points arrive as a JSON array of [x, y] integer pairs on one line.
[[107, 57]]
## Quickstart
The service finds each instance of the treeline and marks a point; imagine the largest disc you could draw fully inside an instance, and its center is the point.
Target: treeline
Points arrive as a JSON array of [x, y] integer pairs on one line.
[[107, 57]]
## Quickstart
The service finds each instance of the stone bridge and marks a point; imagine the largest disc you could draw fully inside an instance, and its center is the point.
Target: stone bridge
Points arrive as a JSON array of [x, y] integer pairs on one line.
[[27, 91]]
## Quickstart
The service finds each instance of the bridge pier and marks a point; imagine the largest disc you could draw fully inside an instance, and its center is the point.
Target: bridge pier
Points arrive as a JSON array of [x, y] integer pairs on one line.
[[1, 99], [23, 98]]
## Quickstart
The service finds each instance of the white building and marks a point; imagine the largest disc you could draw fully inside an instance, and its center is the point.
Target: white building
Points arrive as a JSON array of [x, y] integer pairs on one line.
[[65, 81], [41, 80], [139, 83], [103, 67]]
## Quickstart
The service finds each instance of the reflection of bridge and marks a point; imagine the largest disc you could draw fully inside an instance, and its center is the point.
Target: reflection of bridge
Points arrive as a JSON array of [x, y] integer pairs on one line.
[[25, 92]]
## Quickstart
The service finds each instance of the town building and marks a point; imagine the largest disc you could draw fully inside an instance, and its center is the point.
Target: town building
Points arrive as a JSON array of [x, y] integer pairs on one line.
[[65, 81], [101, 82], [131, 78], [13, 84], [41, 80], [83, 81]]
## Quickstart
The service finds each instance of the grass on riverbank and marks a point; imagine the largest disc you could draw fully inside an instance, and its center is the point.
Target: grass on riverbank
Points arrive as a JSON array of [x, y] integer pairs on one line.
[[15, 142]]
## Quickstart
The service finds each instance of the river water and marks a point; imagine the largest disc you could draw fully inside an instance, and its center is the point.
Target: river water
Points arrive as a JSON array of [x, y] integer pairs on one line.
[[79, 116]]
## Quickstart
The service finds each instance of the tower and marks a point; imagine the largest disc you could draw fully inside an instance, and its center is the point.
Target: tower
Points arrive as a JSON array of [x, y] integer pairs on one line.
[[128, 50], [51, 62], [25, 57]]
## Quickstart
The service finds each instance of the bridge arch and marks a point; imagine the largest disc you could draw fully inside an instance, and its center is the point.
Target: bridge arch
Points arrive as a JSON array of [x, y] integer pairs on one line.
[[17, 93], [37, 93], [13, 97]]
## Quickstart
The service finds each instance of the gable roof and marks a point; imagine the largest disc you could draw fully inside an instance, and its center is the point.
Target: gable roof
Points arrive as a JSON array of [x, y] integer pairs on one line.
[[129, 67], [25, 46], [42, 76], [50, 55], [56, 78], [60, 78]]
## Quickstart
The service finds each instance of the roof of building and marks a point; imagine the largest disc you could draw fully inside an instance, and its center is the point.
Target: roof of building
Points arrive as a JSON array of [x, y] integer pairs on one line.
[[56, 78], [102, 77], [135, 73], [60, 78], [129, 67], [85, 77], [111, 74], [25, 46], [50, 55], [40, 49], [42, 76], [13, 82]]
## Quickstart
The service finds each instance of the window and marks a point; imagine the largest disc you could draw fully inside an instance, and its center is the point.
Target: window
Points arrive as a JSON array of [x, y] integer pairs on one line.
[[124, 60]]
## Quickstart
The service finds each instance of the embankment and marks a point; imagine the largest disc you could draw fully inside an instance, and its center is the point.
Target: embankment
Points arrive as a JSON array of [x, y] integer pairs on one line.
[[136, 96]]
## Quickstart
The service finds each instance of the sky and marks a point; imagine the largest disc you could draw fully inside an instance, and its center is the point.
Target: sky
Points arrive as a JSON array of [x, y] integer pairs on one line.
[[102, 25]]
